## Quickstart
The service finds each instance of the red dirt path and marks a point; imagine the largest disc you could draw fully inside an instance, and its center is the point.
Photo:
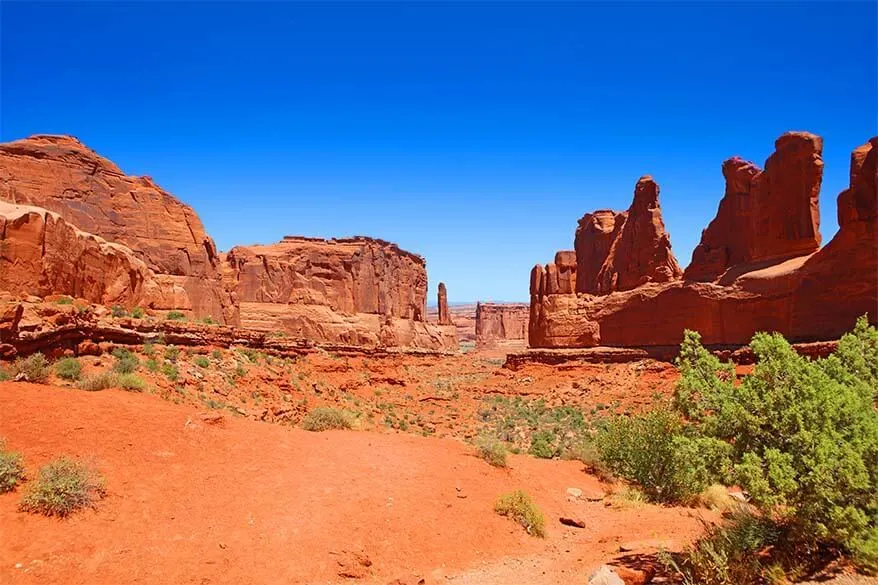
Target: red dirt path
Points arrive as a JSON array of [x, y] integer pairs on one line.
[[249, 502]]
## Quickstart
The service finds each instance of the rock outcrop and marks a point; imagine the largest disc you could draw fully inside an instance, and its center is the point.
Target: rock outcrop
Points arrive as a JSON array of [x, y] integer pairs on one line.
[[496, 322], [766, 276], [442, 300], [764, 215], [41, 254], [359, 291], [641, 249], [61, 174], [89, 230]]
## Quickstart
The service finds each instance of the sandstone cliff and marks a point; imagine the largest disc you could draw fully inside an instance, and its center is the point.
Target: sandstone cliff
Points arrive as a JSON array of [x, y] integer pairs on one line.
[[764, 215], [501, 322], [756, 269], [112, 238], [41, 254], [356, 290], [61, 174]]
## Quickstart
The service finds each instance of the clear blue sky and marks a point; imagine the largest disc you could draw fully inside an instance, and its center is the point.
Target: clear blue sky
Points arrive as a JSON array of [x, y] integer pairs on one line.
[[473, 134]]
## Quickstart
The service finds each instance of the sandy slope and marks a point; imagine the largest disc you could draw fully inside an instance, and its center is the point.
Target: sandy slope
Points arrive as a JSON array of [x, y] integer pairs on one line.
[[248, 502]]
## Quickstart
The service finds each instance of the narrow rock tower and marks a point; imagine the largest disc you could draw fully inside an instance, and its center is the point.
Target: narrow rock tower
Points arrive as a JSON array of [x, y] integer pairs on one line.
[[444, 317]]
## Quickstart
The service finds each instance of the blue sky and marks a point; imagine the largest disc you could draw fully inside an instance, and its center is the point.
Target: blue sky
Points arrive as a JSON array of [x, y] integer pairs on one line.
[[473, 134]]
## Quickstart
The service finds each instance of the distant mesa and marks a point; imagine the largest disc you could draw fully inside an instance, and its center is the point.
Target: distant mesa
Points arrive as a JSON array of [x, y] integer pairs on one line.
[[74, 223], [758, 266]]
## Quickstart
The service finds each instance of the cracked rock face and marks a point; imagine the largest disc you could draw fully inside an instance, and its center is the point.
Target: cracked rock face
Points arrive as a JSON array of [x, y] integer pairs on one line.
[[61, 174]]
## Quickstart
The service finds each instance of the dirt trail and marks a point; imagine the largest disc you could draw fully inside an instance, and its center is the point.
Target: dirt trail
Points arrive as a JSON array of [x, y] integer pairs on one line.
[[248, 502]]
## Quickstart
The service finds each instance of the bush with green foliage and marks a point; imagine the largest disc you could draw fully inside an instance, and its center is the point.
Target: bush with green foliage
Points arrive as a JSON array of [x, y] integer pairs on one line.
[[33, 368], [325, 418], [518, 506], [138, 313], [201, 361], [727, 554], [802, 434], [175, 316], [172, 352], [131, 382], [492, 451], [170, 371], [11, 469], [63, 487], [118, 311], [654, 450], [68, 368], [64, 301], [126, 361], [542, 445]]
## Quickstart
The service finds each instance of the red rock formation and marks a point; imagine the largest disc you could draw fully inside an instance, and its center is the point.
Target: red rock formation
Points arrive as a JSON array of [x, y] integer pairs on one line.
[[357, 290], [501, 322], [61, 174], [444, 316], [41, 254], [810, 297], [594, 237], [764, 215], [641, 252], [621, 251]]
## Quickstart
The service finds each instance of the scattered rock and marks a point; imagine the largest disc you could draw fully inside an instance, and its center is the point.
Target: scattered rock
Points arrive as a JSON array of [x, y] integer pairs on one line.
[[353, 565], [605, 575], [574, 493], [575, 522]]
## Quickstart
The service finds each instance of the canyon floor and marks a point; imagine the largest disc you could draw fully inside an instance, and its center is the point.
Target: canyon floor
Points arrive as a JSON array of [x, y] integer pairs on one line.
[[199, 492]]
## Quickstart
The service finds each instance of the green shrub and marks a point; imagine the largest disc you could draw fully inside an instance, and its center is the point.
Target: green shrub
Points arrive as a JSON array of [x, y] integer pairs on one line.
[[5, 375], [324, 418], [148, 349], [175, 316], [118, 311], [172, 352], [63, 487], [64, 301], [202, 361], [97, 382], [152, 365], [33, 368], [11, 469], [518, 506], [542, 445], [126, 362], [727, 554], [652, 450], [68, 368], [131, 382], [802, 435], [170, 371], [138, 313], [492, 451], [208, 320], [216, 354]]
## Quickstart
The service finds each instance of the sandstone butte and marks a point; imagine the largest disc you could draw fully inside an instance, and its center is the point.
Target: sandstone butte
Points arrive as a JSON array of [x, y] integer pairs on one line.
[[501, 322], [73, 223], [759, 265]]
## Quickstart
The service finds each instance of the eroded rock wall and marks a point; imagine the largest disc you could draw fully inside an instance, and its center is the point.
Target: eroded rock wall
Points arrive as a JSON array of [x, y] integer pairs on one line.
[[766, 277], [501, 322], [61, 174]]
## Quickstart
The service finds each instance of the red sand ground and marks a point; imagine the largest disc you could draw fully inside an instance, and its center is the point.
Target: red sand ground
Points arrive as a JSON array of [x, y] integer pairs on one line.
[[250, 502]]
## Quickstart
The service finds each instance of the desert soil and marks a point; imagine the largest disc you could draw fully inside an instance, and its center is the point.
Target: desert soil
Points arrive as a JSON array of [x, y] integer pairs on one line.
[[203, 496]]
